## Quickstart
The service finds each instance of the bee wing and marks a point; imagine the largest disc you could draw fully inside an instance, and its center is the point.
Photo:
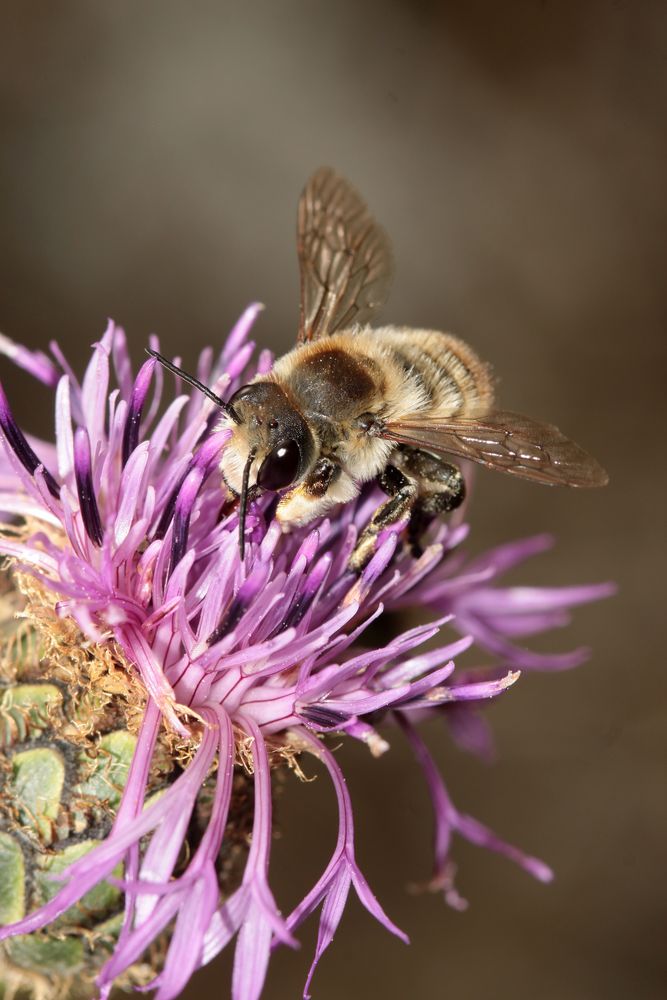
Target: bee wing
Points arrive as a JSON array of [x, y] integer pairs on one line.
[[506, 441], [345, 258]]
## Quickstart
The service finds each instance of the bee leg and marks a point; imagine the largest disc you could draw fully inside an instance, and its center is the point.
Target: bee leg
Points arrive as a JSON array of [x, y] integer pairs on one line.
[[325, 485], [402, 495], [419, 522], [319, 480], [441, 489]]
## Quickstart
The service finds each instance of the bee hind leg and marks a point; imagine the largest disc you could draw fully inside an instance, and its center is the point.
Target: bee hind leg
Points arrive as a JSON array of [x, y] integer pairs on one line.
[[402, 497]]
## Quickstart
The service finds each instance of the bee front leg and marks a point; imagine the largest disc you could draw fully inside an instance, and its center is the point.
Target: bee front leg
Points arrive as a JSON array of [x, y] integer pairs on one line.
[[402, 496], [325, 485]]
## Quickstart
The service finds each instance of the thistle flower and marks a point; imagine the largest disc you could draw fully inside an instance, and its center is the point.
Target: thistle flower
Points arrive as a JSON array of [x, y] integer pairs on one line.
[[238, 667]]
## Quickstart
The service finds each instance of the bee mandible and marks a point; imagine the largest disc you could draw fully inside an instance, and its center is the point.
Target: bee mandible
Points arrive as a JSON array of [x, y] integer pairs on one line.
[[351, 403]]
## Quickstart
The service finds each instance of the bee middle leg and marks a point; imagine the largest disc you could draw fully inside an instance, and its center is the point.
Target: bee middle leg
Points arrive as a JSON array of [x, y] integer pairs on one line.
[[441, 489], [402, 496]]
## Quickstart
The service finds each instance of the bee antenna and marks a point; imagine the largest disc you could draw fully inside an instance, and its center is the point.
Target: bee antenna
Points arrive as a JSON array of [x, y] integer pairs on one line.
[[229, 410], [243, 507]]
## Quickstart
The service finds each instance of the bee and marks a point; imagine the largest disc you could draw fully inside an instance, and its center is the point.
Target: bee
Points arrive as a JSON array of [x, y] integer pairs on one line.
[[351, 403]]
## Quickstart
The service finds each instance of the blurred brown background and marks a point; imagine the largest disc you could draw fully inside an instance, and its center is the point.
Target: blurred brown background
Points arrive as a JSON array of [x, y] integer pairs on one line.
[[151, 155]]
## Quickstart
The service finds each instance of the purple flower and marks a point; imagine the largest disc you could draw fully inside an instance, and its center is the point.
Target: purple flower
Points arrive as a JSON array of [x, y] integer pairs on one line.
[[127, 526]]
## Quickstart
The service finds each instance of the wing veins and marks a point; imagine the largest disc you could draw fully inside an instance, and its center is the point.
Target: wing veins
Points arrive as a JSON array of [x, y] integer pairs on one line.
[[344, 257], [506, 441]]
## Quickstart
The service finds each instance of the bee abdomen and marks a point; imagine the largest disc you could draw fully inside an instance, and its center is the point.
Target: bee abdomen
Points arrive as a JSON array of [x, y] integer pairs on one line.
[[452, 380]]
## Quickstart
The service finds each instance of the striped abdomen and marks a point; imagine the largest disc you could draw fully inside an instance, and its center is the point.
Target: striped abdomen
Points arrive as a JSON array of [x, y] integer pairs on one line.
[[451, 378]]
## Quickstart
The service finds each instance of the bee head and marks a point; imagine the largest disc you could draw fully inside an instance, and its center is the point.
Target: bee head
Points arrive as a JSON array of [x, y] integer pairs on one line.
[[269, 428], [271, 446]]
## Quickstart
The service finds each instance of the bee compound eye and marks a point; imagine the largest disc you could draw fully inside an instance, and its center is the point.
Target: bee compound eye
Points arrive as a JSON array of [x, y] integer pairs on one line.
[[280, 467]]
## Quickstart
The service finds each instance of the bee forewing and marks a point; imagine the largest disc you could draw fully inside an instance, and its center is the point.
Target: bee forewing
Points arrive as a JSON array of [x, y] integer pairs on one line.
[[345, 258], [506, 441]]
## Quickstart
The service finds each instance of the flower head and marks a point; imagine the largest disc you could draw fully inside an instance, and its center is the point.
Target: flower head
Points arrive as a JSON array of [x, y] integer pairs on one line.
[[249, 661]]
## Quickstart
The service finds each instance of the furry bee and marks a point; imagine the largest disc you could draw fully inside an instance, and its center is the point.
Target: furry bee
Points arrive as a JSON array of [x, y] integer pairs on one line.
[[351, 403]]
